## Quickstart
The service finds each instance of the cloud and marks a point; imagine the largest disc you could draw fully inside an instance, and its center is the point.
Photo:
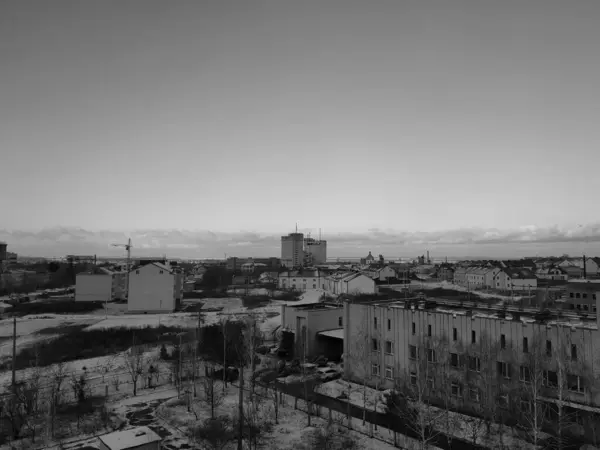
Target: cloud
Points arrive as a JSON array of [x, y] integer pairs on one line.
[[59, 241]]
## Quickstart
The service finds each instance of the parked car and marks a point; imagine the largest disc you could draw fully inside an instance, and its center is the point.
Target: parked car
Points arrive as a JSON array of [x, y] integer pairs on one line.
[[328, 374]]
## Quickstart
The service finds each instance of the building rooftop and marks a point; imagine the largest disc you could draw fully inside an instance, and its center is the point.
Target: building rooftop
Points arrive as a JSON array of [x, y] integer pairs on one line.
[[338, 333], [525, 315], [129, 439], [317, 306], [583, 280]]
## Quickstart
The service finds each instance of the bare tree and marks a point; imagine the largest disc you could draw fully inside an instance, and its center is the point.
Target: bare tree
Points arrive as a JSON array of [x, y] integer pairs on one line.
[[531, 386], [481, 368], [214, 433], [327, 438], [58, 375], [415, 394], [225, 334], [212, 395], [135, 364], [359, 358], [254, 422], [571, 375]]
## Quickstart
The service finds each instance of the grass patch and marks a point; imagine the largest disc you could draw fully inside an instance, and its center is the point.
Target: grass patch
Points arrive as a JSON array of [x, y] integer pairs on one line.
[[78, 343], [194, 307], [287, 296], [56, 307], [67, 328], [254, 301]]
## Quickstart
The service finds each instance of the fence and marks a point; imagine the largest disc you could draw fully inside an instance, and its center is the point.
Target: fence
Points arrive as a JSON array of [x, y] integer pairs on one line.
[[390, 429]]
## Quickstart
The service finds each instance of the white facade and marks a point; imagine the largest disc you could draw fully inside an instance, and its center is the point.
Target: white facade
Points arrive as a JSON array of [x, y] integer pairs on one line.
[[507, 280], [302, 280], [350, 283], [154, 288], [381, 274]]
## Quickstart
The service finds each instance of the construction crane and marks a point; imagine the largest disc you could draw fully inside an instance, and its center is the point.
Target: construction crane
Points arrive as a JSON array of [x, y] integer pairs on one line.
[[128, 248]]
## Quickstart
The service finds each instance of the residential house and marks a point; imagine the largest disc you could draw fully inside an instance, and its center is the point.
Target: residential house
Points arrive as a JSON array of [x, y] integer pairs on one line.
[[380, 274], [101, 285], [445, 272], [308, 321], [592, 265], [140, 438], [424, 269], [573, 272], [350, 283], [460, 275], [581, 295], [154, 288], [302, 279], [512, 279], [490, 276], [476, 277], [554, 273]]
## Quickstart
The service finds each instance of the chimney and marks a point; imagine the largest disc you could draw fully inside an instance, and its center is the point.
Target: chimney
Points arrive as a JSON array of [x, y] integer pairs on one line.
[[584, 268], [428, 260]]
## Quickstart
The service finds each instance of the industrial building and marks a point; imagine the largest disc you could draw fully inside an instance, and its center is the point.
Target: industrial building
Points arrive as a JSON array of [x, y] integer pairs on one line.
[[480, 358], [100, 285], [155, 288], [317, 328]]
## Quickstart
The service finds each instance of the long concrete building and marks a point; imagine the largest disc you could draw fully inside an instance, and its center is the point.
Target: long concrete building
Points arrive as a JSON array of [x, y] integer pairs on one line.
[[512, 363]]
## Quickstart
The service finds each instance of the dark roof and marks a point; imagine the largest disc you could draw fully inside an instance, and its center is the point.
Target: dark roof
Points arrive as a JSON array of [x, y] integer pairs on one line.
[[519, 273]]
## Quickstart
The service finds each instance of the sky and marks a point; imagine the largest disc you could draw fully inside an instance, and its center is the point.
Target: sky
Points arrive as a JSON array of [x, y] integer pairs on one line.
[[408, 118]]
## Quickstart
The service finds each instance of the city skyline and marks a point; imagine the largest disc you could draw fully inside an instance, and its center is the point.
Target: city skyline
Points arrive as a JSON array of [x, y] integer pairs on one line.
[[416, 116], [454, 244]]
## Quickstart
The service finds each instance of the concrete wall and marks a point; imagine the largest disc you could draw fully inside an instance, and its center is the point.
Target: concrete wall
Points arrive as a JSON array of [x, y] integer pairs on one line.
[[150, 290], [316, 320], [93, 288], [395, 324], [361, 284]]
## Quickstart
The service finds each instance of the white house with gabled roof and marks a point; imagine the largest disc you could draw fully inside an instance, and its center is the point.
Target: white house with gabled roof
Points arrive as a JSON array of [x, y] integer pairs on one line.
[[154, 288], [350, 283]]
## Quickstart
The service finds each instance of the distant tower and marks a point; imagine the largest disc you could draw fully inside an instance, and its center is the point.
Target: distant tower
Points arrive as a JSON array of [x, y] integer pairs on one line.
[[292, 250], [3, 252], [428, 260]]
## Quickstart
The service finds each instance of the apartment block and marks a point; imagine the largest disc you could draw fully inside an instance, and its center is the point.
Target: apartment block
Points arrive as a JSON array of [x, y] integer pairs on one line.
[[479, 360]]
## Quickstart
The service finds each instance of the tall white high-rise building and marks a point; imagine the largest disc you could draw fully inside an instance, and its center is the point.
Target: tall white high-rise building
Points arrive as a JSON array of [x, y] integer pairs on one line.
[[292, 250]]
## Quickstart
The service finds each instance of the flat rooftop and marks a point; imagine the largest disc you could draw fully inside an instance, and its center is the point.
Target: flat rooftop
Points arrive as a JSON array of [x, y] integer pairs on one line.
[[316, 306], [526, 314]]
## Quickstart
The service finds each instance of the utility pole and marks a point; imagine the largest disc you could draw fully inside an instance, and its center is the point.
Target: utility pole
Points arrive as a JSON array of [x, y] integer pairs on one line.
[[240, 443], [14, 355]]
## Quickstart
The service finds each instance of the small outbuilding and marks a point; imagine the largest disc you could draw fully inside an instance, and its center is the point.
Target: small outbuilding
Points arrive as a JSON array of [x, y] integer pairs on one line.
[[140, 438]]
